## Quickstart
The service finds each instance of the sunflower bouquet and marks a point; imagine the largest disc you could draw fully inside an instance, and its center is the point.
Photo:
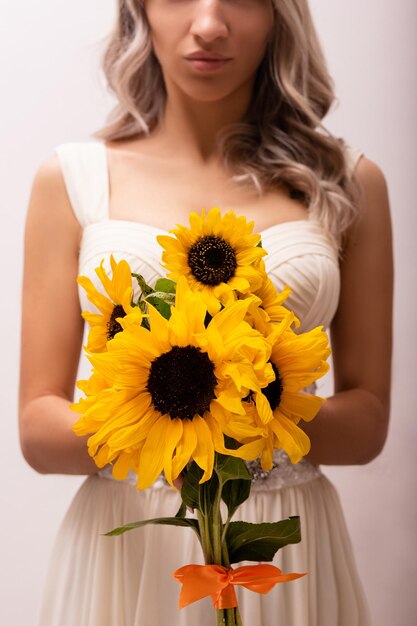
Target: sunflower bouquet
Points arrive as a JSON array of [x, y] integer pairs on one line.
[[194, 379]]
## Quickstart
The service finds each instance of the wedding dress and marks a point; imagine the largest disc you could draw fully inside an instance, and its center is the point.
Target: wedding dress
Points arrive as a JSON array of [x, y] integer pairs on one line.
[[95, 580]]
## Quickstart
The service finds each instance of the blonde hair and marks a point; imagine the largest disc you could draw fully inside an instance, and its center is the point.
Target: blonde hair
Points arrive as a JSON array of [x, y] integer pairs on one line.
[[281, 140]]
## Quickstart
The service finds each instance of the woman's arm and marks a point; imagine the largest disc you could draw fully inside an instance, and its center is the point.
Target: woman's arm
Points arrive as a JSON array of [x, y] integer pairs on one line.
[[352, 425], [52, 330]]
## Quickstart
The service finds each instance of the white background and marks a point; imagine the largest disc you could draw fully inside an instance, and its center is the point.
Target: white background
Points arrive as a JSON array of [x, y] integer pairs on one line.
[[52, 92]]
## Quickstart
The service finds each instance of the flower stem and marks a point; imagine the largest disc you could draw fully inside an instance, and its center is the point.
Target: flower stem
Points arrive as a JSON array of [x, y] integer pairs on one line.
[[238, 618], [213, 541], [220, 553], [217, 528], [225, 555], [228, 617], [203, 524]]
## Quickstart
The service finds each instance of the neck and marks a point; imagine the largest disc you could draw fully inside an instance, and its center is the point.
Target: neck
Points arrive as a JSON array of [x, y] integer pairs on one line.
[[190, 127]]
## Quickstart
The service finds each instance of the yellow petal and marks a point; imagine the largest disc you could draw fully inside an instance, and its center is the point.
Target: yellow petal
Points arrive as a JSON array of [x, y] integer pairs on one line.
[[247, 451], [160, 328], [127, 437], [152, 455], [264, 408], [300, 405], [105, 305], [204, 451], [122, 466], [267, 455], [292, 439], [185, 448], [174, 435], [231, 402]]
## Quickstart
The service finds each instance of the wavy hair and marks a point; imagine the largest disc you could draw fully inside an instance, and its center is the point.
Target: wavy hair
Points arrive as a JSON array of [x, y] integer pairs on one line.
[[281, 141]]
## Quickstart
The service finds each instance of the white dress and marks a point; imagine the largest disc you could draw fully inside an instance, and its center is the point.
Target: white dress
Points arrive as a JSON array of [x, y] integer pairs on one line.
[[126, 581]]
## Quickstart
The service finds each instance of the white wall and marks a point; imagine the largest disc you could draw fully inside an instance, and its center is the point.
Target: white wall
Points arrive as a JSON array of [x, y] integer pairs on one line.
[[52, 92]]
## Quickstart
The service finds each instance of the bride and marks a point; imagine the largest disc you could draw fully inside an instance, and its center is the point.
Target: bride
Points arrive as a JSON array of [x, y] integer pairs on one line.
[[220, 103]]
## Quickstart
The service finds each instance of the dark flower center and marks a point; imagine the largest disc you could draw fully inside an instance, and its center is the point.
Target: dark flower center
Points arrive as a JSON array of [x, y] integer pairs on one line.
[[274, 390], [182, 382], [212, 260], [113, 327]]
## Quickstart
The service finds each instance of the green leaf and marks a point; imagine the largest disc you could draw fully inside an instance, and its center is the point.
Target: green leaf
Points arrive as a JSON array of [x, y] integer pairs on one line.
[[169, 298], [142, 305], [198, 496], [167, 521], [133, 303], [166, 285], [260, 542], [230, 468], [161, 305], [145, 324], [208, 492], [181, 511], [234, 493], [143, 285], [259, 244], [231, 443], [190, 490]]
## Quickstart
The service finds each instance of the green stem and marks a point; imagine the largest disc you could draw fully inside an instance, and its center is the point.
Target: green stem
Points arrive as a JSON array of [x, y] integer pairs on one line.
[[220, 551], [226, 617], [205, 537], [238, 618], [225, 555], [225, 527], [217, 527], [214, 544]]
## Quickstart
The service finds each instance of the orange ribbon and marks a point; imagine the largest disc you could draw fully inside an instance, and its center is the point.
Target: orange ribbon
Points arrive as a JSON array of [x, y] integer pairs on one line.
[[199, 581]]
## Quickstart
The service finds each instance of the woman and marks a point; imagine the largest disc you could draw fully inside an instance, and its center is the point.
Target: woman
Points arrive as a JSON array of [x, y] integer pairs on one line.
[[220, 103]]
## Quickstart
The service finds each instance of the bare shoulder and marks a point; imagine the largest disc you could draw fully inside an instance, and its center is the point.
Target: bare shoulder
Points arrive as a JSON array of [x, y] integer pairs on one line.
[[374, 219], [48, 176], [49, 205], [371, 179], [369, 171]]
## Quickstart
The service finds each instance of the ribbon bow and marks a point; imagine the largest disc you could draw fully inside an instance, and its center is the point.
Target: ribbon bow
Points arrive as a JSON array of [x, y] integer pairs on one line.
[[199, 581]]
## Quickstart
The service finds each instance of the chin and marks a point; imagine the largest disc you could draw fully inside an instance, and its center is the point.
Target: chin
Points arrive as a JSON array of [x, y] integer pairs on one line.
[[209, 98], [208, 92]]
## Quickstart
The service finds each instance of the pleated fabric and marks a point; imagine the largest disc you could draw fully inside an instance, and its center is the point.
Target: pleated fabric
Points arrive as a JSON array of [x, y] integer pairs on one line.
[[126, 581]]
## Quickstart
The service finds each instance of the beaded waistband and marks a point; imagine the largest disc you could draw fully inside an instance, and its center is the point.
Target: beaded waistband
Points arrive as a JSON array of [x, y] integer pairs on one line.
[[283, 474]]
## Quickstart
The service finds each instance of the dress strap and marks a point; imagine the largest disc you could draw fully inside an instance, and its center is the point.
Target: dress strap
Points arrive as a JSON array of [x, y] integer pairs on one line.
[[84, 168], [352, 156]]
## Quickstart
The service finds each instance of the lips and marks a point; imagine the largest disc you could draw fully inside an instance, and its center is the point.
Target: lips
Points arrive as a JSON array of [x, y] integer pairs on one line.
[[204, 61], [202, 55]]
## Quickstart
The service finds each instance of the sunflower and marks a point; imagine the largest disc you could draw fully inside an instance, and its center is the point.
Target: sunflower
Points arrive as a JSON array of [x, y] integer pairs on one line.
[[272, 300], [170, 386], [218, 256], [106, 324], [270, 308], [298, 360]]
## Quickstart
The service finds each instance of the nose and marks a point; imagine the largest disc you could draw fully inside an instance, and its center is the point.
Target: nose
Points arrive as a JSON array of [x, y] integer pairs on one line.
[[208, 21]]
